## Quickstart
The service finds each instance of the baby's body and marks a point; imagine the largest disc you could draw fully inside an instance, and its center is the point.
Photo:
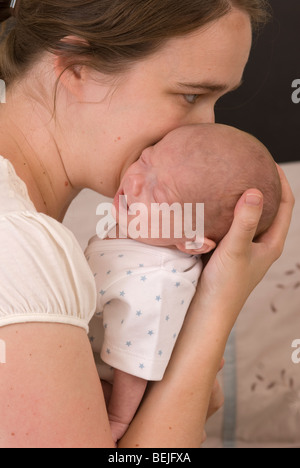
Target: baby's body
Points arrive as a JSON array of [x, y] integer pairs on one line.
[[144, 293], [210, 164]]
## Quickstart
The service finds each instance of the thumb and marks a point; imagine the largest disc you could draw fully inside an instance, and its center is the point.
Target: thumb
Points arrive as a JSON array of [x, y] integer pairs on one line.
[[246, 219]]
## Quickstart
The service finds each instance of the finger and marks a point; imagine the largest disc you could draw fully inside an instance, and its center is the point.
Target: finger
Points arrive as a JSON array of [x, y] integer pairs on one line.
[[275, 236], [246, 219]]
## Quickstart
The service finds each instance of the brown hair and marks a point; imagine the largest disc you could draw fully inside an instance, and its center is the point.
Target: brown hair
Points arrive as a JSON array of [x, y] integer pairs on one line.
[[113, 33]]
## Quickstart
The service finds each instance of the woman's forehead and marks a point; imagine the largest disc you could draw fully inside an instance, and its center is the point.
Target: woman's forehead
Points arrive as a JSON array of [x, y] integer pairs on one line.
[[215, 54]]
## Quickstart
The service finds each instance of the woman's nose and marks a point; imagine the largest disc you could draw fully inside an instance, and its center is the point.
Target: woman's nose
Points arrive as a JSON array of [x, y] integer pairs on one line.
[[211, 116], [202, 115]]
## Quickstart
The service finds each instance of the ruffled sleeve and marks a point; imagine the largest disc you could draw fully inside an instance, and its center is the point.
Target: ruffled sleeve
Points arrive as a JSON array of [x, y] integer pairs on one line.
[[44, 276]]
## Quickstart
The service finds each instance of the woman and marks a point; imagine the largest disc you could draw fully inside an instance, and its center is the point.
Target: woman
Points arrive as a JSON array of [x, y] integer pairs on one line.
[[89, 86]]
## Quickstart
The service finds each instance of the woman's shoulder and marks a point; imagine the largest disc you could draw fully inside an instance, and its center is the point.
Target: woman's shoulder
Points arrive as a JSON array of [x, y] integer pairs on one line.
[[44, 275]]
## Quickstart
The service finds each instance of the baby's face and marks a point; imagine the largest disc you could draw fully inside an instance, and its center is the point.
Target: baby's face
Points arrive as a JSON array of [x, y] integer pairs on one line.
[[148, 182]]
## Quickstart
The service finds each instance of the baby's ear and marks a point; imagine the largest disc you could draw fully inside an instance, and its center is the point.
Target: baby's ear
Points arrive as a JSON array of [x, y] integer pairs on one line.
[[197, 247]]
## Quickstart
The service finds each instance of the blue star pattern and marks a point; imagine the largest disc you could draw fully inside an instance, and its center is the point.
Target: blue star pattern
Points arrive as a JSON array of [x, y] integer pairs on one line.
[[142, 301]]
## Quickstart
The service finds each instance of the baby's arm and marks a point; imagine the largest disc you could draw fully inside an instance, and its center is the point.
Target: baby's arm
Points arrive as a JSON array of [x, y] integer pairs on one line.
[[126, 397]]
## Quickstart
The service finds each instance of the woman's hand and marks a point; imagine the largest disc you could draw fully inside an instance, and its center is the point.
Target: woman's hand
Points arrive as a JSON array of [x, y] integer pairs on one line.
[[239, 264], [185, 397]]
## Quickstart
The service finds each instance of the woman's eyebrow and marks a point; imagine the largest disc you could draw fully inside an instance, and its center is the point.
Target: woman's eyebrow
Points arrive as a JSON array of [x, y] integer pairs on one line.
[[212, 87]]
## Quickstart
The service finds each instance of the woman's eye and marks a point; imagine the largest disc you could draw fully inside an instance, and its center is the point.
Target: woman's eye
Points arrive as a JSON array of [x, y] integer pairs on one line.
[[191, 98]]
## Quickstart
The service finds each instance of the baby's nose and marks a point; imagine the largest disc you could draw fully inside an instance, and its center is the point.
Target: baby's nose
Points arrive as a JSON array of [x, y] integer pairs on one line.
[[137, 183]]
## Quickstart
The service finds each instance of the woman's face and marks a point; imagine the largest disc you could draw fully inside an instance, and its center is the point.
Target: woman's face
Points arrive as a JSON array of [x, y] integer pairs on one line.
[[178, 85]]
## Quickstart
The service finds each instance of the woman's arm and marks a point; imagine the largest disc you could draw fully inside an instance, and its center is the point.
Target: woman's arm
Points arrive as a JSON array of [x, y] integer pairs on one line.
[[174, 411], [50, 392]]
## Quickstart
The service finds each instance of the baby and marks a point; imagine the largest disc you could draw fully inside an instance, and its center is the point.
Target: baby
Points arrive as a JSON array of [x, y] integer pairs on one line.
[[145, 285]]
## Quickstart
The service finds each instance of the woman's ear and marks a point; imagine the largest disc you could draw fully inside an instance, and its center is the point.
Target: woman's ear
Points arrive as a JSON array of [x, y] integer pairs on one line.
[[72, 77], [197, 247]]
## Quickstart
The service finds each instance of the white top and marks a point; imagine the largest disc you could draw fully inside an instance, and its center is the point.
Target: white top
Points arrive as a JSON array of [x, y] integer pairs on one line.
[[44, 276], [144, 293]]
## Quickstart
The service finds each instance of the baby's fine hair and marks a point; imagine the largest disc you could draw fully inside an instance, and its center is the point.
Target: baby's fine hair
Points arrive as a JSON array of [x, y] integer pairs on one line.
[[219, 164]]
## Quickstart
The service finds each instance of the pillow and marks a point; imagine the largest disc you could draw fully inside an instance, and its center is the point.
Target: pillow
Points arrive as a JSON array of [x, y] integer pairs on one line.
[[260, 380]]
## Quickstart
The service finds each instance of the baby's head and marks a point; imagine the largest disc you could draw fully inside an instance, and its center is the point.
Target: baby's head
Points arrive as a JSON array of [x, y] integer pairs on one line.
[[206, 163]]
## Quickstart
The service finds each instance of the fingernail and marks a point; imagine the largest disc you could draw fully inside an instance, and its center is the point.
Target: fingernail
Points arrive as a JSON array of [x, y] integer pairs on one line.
[[253, 200]]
